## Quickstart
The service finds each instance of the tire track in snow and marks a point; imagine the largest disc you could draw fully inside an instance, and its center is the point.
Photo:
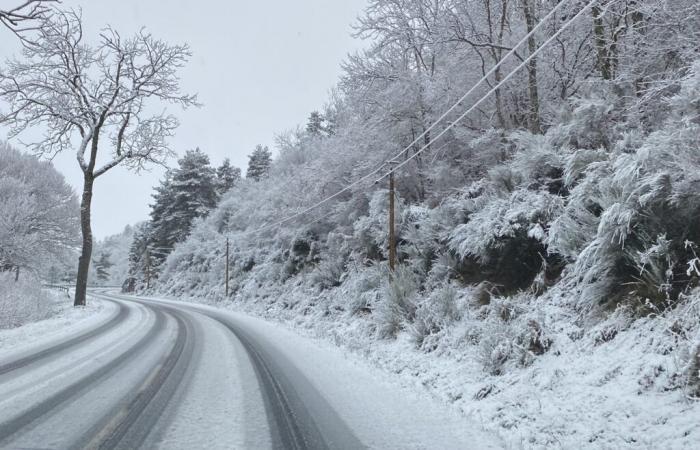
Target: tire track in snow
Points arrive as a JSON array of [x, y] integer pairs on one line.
[[298, 416], [83, 385], [66, 346], [128, 427]]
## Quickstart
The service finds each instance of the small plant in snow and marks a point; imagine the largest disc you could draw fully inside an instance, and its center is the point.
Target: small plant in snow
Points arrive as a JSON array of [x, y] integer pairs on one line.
[[398, 303], [434, 314]]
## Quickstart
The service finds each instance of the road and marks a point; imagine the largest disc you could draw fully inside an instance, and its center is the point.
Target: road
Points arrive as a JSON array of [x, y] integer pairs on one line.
[[159, 374]]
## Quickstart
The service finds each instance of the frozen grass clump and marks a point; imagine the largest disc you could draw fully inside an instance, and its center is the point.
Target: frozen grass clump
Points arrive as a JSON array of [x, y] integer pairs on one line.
[[513, 333], [398, 303], [434, 314]]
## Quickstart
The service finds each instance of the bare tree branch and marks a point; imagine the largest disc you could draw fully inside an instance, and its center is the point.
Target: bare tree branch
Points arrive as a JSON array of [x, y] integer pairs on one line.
[[26, 17]]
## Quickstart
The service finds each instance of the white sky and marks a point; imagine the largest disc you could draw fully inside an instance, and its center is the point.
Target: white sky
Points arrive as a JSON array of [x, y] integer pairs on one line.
[[259, 67]]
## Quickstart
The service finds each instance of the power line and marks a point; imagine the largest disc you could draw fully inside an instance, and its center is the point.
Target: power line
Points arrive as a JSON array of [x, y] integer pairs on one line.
[[441, 118], [496, 87], [485, 77]]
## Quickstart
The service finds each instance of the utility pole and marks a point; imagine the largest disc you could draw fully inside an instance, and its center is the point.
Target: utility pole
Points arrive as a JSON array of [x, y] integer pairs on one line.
[[392, 236], [148, 268], [227, 263]]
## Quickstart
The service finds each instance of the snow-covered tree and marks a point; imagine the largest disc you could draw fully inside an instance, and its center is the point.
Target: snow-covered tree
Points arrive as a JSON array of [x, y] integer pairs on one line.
[[138, 250], [227, 176], [103, 266], [185, 194], [117, 247], [315, 125], [39, 219], [259, 163], [22, 18], [99, 96]]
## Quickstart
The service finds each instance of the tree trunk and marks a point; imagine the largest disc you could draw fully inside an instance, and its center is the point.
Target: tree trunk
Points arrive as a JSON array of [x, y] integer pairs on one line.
[[534, 116], [602, 56], [86, 253]]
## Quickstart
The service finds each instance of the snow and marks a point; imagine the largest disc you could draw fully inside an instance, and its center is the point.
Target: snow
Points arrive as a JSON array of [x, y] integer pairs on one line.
[[586, 391], [381, 412], [221, 408], [65, 321]]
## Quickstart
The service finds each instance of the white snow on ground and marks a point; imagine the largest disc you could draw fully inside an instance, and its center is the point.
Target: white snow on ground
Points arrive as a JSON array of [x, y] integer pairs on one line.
[[221, 408], [382, 414], [620, 383], [64, 321]]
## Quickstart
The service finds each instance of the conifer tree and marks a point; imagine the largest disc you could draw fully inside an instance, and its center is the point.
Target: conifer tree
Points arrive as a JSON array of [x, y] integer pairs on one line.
[[315, 126], [102, 266], [186, 193], [226, 177], [259, 163]]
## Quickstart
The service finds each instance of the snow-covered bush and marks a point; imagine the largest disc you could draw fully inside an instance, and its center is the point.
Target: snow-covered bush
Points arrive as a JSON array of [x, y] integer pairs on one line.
[[397, 307], [22, 301], [512, 332], [363, 289], [506, 237], [434, 313]]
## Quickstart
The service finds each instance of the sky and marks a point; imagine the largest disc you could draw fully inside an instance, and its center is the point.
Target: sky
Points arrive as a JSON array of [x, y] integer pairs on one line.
[[259, 68]]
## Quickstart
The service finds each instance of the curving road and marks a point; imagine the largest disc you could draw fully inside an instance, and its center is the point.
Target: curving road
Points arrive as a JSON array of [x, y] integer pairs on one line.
[[158, 374]]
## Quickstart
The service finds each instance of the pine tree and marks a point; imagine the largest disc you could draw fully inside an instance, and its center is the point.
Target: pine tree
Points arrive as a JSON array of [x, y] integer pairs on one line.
[[227, 176], [315, 126], [102, 266], [259, 163], [186, 193], [137, 251]]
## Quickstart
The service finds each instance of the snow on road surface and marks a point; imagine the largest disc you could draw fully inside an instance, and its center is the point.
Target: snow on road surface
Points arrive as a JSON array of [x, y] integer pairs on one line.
[[155, 373]]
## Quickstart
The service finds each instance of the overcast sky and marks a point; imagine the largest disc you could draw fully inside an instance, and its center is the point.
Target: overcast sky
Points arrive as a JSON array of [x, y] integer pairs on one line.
[[259, 68]]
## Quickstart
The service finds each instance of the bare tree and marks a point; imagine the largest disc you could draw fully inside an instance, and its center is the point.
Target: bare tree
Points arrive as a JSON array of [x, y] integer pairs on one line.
[[23, 17], [95, 100]]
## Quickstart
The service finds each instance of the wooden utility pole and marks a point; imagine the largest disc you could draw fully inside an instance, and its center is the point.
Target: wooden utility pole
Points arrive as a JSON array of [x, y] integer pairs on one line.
[[227, 263], [148, 268], [392, 237]]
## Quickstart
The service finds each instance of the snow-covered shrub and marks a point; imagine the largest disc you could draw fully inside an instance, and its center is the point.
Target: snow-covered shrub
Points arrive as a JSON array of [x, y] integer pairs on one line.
[[22, 301], [632, 210], [512, 332], [331, 270], [588, 123], [329, 273], [364, 289], [506, 237], [434, 313], [682, 338], [370, 232], [398, 303]]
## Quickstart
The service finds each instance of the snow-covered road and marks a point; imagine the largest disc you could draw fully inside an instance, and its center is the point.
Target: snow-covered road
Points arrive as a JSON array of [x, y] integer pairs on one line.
[[147, 373]]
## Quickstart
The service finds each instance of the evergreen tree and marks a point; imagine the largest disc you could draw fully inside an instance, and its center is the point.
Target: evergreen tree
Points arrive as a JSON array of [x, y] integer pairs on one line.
[[227, 176], [259, 163], [315, 126], [102, 266], [194, 193], [186, 193], [158, 235], [137, 251]]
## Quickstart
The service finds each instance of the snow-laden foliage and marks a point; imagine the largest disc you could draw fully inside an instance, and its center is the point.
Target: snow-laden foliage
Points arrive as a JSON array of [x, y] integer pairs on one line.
[[22, 301], [113, 251], [39, 224]]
